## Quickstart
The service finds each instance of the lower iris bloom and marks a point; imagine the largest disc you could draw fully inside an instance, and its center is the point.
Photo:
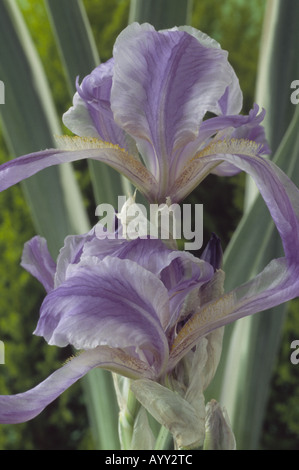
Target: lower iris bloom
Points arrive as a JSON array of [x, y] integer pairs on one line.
[[118, 301], [138, 308]]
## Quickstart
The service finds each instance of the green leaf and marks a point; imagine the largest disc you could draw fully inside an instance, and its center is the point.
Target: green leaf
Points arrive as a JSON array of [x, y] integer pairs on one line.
[[278, 67], [29, 122], [80, 56], [161, 13], [251, 345]]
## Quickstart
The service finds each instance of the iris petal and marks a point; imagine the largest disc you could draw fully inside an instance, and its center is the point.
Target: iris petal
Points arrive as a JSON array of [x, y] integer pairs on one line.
[[91, 115], [183, 78], [110, 302], [25, 406], [37, 261], [278, 282], [75, 149]]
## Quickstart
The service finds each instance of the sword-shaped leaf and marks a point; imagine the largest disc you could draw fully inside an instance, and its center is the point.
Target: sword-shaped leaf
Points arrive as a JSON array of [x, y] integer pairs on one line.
[[251, 345]]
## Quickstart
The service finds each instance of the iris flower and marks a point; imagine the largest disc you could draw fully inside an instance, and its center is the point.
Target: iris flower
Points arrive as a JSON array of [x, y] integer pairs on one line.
[[138, 307], [118, 301], [144, 113]]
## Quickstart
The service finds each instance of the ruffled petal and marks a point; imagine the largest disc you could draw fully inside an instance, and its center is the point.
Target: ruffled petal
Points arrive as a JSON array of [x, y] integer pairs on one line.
[[232, 99], [179, 271], [110, 302], [71, 253], [25, 406], [91, 115], [223, 127], [37, 260], [163, 84]]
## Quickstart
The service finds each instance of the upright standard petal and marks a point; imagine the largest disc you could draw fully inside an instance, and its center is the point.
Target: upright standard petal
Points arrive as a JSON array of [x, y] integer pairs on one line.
[[232, 99], [183, 78], [37, 260], [91, 115]]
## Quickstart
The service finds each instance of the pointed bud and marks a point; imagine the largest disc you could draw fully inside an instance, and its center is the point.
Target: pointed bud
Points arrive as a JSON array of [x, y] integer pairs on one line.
[[142, 437], [219, 435], [213, 252]]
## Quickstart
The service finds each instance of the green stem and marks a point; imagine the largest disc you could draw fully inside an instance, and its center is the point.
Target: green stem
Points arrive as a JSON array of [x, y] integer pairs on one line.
[[164, 439], [126, 421]]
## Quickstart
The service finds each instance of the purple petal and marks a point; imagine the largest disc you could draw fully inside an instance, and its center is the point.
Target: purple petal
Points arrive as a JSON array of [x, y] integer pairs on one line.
[[37, 261], [278, 192], [276, 284], [91, 115], [184, 273], [25, 406], [110, 302], [219, 151], [179, 271], [232, 99], [17, 170], [174, 267], [233, 126], [163, 84], [244, 127], [280, 195], [71, 253], [78, 247], [110, 245]]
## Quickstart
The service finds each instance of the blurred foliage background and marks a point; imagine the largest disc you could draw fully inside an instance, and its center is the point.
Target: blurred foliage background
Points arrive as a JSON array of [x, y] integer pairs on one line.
[[236, 24]]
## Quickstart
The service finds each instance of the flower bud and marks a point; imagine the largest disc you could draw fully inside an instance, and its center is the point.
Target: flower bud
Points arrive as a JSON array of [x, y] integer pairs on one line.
[[219, 435]]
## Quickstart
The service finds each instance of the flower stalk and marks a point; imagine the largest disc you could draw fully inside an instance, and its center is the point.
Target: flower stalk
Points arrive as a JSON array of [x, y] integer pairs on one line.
[[127, 417]]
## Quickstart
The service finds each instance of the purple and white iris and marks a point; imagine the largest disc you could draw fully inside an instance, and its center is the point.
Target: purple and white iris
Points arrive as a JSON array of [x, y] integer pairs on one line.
[[138, 307], [143, 113]]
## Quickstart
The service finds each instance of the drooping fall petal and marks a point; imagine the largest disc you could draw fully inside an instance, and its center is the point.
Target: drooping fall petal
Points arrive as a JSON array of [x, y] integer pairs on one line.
[[25, 406]]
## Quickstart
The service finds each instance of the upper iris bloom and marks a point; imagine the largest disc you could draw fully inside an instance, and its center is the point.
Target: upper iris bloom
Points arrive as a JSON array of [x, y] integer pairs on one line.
[[144, 112]]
